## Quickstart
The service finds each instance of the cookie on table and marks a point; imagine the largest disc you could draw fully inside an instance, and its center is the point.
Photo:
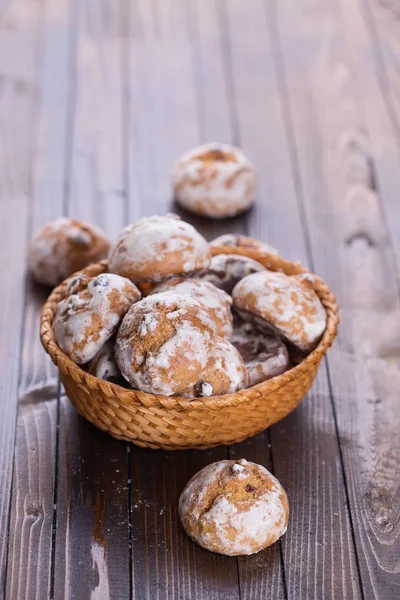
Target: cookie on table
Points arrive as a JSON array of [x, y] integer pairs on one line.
[[237, 240], [226, 270], [164, 343], [214, 180], [157, 247], [225, 373], [216, 301], [63, 247], [91, 312], [234, 507], [265, 356], [283, 305]]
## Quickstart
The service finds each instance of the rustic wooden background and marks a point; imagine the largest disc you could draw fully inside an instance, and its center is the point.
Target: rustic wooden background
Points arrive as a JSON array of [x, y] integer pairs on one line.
[[97, 100]]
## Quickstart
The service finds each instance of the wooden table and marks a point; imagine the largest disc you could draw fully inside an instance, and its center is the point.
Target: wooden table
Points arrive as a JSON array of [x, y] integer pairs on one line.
[[97, 100]]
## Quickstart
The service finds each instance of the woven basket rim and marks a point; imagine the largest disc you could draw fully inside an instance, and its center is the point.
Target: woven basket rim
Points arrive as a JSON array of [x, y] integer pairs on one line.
[[129, 397]]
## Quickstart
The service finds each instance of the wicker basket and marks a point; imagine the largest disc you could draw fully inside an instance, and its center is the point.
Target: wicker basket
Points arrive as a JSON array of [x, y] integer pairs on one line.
[[177, 423]]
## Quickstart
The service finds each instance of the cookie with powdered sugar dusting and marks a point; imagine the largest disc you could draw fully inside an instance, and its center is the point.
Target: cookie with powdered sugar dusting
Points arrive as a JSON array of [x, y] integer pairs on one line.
[[226, 270], [91, 312], [104, 366], [265, 356], [225, 373], [215, 180], [164, 343], [157, 247], [237, 240], [62, 247], [284, 305], [216, 301], [234, 507]]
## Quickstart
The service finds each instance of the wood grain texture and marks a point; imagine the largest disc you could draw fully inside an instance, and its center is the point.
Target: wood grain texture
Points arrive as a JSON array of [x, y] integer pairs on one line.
[[96, 194], [350, 249], [304, 447], [32, 509], [91, 553], [32, 502], [92, 534], [18, 94], [377, 24]]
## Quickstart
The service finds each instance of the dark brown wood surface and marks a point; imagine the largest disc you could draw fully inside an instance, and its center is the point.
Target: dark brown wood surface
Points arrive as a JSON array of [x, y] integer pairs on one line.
[[97, 100]]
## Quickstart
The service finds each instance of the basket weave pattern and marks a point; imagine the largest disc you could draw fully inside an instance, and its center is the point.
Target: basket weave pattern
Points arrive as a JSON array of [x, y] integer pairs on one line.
[[154, 421]]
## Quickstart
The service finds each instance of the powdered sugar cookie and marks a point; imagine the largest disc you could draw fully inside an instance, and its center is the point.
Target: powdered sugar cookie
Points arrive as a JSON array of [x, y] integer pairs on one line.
[[225, 373], [237, 240], [265, 356], [234, 507], [216, 301], [157, 247], [214, 180], [226, 270], [62, 247], [103, 365], [91, 312], [285, 305], [164, 343]]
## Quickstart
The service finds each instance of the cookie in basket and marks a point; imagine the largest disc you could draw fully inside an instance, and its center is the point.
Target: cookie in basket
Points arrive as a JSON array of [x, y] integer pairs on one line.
[[234, 507], [214, 180], [226, 270], [237, 240], [104, 366], [157, 247], [164, 343], [216, 301], [62, 247], [225, 373], [284, 305], [91, 312], [265, 356]]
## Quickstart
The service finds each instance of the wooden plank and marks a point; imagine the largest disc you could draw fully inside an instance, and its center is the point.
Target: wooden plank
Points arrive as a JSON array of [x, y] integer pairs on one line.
[[18, 95], [10, 318], [304, 447], [163, 95], [350, 248], [31, 520], [91, 553], [378, 29], [92, 534], [32, 509], [96, 192], [32, 502]]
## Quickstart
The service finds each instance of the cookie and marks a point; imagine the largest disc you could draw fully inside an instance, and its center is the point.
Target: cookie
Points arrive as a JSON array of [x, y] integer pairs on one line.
[[237, 240], [234, 507], [164, 343], [103, 365], [216, 301], [225, 373], [265, 356], [283, 305], [91, 312], [157, 247], [226, 270], [63, 247], [214, 180]]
